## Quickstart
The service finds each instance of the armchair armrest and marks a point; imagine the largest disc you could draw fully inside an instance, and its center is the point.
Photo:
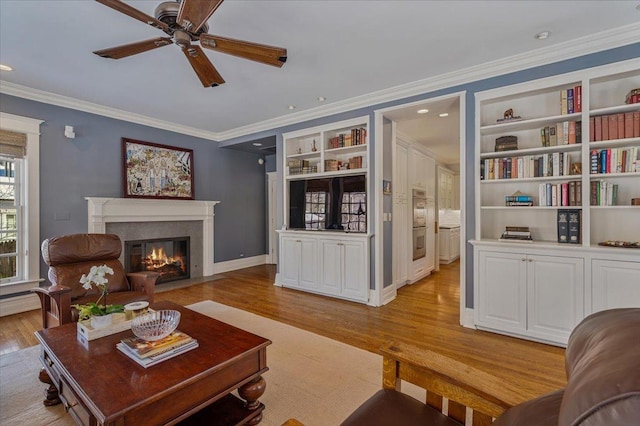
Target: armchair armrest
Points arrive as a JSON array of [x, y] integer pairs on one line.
[[463, 385], [55, 305], [144, 282]]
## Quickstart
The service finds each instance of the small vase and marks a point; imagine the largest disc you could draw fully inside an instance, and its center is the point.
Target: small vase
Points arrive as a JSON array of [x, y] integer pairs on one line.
[[102, 321]]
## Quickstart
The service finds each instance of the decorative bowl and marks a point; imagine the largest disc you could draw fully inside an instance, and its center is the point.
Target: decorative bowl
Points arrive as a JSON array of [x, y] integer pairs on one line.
[[155, 325]]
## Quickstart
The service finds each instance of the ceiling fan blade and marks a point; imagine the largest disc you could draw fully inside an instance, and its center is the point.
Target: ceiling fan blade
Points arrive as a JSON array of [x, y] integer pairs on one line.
[[133, 48], [134, 13], [205, 70], [270, 55], [193, 14]]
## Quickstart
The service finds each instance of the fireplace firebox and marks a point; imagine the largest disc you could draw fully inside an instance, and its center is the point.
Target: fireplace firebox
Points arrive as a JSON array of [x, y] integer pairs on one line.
[[167, 256]]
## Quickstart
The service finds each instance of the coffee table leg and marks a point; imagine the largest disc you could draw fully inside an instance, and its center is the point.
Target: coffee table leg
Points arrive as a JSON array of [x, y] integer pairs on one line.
[[250, 392], [51, 393]]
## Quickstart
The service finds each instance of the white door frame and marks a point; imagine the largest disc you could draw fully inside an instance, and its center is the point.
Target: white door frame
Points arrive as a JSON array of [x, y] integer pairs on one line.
[[272, 256], [379, 240]]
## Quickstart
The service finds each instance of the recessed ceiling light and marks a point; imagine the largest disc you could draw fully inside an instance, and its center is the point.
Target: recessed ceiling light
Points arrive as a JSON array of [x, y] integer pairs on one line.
[[542, 35], [444, 114], [322, 98], [423, 111], [291, 107], [4, 67], [257, 144]]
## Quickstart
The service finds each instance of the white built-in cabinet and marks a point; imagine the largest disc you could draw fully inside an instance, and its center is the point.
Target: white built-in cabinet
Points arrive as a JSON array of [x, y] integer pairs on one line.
[[446, 198], [529, 295], [540, 290], [333, 263], [401, 224], [449, 239], [298, 261], [329, 263]]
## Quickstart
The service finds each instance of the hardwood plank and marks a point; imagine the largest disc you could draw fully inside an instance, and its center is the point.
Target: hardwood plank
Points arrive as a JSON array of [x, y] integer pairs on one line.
[[424, 314]]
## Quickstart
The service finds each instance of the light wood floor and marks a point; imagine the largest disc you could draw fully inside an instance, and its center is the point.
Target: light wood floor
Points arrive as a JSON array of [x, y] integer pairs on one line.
[[425, 314]]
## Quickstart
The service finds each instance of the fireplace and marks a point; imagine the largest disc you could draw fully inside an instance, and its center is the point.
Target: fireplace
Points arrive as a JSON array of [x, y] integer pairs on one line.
[[167, 256]]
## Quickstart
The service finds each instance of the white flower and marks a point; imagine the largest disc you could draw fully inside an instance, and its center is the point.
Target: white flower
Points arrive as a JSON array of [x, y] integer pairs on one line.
[[96, 276]]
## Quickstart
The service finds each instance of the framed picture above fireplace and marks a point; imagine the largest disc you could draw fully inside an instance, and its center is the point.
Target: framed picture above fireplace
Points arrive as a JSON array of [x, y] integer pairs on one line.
[[156, 171]]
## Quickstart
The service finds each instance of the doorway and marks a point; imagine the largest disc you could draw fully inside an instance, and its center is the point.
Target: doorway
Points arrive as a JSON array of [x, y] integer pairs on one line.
[[435, 127]]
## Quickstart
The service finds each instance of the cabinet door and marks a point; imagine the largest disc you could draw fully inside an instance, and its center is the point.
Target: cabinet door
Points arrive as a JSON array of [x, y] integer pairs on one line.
[[418, 175], [401, 231], [289, 261], [308, 275], [445, 240], [501, 296], [354, 284], [431, 235], [455, 243], [400, 172], [615, 284], [331, 271], [555, 296]]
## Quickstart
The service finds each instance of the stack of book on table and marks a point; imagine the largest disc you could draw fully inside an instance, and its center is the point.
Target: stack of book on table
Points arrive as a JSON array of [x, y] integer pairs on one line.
[[148, 353], [518, 199], [518, 233]]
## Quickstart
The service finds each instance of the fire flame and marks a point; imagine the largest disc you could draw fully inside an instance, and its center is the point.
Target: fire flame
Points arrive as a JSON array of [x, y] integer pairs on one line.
[[158, 258]]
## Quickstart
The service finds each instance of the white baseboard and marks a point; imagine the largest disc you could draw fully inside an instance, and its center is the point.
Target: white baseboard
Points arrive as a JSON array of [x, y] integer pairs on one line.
[[277, 282], [468, 320], [18, 304], [232, 265]]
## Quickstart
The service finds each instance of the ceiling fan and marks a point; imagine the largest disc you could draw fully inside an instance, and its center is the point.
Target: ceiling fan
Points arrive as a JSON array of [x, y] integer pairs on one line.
[[184, 21]]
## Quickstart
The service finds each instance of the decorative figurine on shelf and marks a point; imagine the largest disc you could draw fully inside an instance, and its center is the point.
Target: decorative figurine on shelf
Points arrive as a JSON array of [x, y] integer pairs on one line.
[[508, 116], [313, 148]]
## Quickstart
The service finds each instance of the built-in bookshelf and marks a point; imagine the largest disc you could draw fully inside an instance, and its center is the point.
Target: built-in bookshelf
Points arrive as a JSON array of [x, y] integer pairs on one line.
[[577, 147], [330, 150]]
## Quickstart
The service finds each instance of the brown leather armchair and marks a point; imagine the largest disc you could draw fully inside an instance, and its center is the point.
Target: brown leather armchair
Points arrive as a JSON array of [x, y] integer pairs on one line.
[[68, 258]]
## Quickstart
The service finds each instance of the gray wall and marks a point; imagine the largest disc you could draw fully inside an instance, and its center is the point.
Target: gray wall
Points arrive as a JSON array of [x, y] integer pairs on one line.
[[91, 165], [583, 62]]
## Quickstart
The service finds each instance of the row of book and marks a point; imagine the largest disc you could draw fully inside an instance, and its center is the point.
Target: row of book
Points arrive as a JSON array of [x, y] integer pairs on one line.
[[520, 233], [571, 100], [356, 136], [562, 194], [148, 353], [614, 126], [604, 193], [526, 166], [518, 199], [569, 226], [564, 133], [614, 160]]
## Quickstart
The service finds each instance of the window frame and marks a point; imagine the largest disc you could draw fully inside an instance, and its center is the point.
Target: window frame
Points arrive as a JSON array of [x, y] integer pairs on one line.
[[29, 250]]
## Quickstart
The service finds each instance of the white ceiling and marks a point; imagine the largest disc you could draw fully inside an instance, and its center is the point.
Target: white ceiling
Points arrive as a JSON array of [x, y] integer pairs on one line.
[[342, 50]]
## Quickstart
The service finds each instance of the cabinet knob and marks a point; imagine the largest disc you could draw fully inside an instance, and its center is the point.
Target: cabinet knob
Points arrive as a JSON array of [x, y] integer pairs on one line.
[[523, 259], [530, 260], [298, 241]]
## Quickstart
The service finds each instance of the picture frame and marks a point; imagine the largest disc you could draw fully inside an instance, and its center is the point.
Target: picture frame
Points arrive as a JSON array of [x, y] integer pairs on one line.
[[386, 187], [151, 170]]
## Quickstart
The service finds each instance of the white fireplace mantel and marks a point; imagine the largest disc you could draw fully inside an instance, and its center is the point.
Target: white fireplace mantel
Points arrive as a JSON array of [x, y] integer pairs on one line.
[[102, 210]]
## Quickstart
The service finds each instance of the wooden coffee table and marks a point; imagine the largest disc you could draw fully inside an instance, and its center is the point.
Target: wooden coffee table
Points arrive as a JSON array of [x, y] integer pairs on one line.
[[99, 385]]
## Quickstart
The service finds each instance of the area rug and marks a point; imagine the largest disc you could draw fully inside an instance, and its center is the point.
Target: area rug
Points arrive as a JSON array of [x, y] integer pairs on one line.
[[314, 379]]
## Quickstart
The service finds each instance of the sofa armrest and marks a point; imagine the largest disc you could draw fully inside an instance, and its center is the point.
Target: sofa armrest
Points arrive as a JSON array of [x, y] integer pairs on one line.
[[443, 377], [55, 305], [144, 282]]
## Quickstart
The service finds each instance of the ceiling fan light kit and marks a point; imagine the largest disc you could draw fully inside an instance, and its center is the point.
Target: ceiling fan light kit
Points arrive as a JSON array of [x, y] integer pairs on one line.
[[185, 22]]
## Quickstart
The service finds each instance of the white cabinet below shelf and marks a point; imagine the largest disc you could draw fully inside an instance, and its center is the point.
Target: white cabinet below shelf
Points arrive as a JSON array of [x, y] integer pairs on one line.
[[330, 263], [528, 295], [449, 244], [615, 284]]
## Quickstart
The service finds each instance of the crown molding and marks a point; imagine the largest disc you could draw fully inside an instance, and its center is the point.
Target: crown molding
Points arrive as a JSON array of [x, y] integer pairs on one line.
[[593, 43], [68, 102]]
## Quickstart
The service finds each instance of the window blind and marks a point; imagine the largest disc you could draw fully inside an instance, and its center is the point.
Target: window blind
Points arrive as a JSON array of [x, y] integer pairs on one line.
[[13, 144]]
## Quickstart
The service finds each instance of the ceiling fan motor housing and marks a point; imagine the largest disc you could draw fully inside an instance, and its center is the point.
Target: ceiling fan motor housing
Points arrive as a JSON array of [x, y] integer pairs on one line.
[[167, 12]]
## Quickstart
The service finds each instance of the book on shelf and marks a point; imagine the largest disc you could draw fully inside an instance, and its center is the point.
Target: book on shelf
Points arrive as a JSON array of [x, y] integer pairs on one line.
[[516, 233], [570, 108], [614, 160], [158, 358], [563, 226], [604, 193], [615, 126], [575, 226], [144, 348]]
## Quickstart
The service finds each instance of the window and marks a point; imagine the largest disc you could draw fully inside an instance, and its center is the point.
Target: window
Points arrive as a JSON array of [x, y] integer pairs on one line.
[[315, 214], [10, 269], [354, 211], [19, 204]]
